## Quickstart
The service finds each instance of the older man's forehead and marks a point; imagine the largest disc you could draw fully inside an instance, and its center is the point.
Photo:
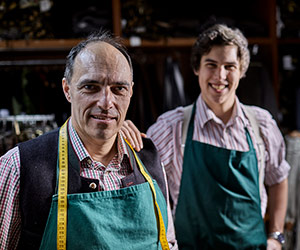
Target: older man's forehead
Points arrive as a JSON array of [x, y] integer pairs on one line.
[[102, 48], [102, 59], [101, 51]]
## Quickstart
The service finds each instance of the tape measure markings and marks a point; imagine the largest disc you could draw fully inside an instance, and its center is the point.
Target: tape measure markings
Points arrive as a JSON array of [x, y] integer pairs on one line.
[[162, 231], [62, 189]]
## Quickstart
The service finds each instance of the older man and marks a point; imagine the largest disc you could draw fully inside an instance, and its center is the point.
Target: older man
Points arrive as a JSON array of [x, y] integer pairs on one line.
[[82, 186]]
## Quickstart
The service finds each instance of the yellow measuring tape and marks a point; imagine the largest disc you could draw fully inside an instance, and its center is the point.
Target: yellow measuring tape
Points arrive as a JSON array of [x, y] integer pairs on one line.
[[162, 230], [62, 189]]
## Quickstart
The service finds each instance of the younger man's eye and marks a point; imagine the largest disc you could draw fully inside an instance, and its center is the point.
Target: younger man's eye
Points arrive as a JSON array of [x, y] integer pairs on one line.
[[211, 65]]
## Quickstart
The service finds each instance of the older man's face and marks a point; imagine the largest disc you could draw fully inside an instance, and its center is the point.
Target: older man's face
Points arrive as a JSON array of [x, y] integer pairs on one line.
[[100, 92]]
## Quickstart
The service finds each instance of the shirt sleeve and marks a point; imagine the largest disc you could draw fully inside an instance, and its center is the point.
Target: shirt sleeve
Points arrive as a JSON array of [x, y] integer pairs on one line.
[[166, 135], [10, 219], [277, 168]]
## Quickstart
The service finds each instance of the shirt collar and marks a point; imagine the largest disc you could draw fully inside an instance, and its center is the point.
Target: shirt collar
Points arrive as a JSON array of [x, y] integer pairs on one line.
[[239, 112], [82, 152], [205, 114], [122, 147]]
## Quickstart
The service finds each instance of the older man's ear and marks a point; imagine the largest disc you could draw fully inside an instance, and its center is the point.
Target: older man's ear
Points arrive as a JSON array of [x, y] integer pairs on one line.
[[132, 84], [66, 89]]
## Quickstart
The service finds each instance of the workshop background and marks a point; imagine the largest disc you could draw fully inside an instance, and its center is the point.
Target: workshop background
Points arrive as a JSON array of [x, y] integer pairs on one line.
[[36, 36]]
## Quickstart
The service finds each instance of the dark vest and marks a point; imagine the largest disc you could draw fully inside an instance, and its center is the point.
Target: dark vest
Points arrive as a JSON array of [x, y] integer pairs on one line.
[[38, 182]]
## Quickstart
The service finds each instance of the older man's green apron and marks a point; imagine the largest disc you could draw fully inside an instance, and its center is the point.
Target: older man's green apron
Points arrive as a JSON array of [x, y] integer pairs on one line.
[[118, 219], [219, 202]]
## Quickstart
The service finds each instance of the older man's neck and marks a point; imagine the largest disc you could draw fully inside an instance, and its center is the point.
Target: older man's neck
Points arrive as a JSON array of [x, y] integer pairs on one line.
[[103, 151]]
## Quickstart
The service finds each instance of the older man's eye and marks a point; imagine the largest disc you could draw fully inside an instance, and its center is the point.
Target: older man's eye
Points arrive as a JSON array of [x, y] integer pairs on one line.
[[89, 87], [120, 89]]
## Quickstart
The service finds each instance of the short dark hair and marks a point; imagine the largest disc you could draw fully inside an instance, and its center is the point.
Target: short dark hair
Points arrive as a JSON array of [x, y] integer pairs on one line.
[[100, 36], [216, 35]]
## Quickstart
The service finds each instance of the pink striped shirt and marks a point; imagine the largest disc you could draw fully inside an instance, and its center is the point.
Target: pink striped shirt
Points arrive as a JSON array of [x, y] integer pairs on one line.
[[109, 179], [166, 133]]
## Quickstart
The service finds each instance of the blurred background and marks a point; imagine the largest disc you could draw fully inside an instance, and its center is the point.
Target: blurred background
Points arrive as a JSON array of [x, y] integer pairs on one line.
[[36, 36]]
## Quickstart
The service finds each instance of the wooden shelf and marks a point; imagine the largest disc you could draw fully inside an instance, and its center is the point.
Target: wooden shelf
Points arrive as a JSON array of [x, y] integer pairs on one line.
[[260, 40], [66, 44], [287, 41], [266, 13], [164, 42], [47, 44]]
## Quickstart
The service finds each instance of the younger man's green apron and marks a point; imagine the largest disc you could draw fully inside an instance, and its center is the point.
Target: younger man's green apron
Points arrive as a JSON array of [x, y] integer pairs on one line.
[[117, 219], [219, 202]]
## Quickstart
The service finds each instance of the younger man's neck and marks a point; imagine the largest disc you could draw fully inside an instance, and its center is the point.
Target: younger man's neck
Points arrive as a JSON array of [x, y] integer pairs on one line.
[[224, 111]]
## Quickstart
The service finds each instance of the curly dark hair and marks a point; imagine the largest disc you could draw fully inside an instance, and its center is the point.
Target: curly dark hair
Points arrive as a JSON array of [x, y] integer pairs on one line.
[[216, 35]]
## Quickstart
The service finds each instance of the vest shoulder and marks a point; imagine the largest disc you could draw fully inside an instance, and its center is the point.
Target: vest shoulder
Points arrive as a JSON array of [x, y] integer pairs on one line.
[[38, 158], [45, 138], [150, 157], [149, 145], [41, 145], [149, 154]]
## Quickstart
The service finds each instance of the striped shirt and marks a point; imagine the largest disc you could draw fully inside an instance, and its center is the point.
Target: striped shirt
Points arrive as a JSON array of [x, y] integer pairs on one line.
[[166, 133], [109, 179]]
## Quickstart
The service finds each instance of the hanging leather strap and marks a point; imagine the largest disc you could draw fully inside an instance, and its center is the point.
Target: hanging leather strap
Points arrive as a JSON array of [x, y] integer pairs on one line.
[[260, 144], [187, 112]]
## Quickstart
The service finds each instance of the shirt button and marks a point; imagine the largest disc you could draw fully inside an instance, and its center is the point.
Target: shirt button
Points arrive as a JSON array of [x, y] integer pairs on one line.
[[89, 161], [93, 185]]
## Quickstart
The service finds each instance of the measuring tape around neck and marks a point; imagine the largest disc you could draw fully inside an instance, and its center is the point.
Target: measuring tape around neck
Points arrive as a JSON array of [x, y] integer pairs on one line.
[[62, 189], [162, 230]]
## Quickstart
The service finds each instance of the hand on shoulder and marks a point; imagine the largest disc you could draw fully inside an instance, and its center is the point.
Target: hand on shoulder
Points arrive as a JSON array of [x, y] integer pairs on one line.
[[131, 133]]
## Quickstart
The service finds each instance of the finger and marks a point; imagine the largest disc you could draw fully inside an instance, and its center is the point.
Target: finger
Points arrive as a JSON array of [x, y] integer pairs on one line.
[[137, 134], [126, 134], [134, 135], [131, 134]]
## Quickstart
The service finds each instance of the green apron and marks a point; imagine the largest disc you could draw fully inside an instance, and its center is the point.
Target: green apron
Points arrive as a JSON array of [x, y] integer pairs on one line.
[[117, 219], [219, 203]]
